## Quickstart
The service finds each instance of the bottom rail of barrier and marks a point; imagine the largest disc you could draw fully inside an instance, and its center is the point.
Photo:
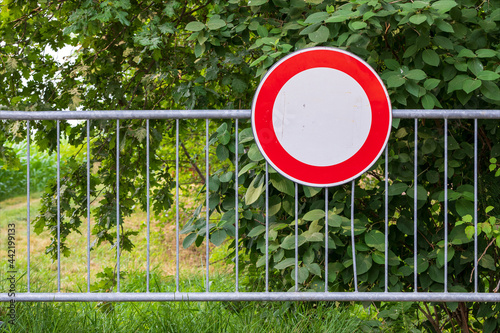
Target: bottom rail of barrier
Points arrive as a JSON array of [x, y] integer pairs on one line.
[[254, 296]]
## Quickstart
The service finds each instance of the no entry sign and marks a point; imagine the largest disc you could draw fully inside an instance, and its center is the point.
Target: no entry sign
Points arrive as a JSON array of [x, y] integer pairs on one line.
[[321, 116]]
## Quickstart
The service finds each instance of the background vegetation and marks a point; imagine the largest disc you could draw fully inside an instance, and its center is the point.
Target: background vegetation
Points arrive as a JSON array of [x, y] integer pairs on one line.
[[178, 55]]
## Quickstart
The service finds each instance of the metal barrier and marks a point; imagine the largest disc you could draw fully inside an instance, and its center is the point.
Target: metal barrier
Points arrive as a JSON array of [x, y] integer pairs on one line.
[[237, 295]]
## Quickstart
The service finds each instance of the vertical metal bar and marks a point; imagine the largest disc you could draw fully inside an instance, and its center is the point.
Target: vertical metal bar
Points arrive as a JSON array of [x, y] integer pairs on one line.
[[177, 249], [296, 237], [236, 205], [28, 182], [352, 240], [475, 205], [267, 227], [207, 231], [118, 205], [415, 253], [58, 209], [446, 205], [386, 215], [147, 205], [88, 205], [326, 239]]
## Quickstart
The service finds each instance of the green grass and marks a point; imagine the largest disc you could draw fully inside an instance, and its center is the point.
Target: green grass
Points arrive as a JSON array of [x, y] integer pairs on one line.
[[184, 317]]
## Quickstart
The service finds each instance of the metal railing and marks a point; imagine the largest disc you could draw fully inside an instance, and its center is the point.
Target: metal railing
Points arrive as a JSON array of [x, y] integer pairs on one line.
[[237, 295]]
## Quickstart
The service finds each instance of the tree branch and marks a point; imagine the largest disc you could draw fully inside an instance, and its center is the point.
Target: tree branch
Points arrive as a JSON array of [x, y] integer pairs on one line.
[[192, 163]]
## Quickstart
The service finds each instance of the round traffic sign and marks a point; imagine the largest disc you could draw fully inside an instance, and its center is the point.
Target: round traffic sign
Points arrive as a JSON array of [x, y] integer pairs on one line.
[[321, 116]]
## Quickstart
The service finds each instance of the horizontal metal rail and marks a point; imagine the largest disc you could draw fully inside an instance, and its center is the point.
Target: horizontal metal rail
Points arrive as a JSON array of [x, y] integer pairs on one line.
[[326, 295], [255, 296], [222, 114]]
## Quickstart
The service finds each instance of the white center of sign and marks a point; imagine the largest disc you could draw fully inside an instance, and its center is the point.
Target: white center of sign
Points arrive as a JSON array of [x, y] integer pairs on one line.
[[316, 135]]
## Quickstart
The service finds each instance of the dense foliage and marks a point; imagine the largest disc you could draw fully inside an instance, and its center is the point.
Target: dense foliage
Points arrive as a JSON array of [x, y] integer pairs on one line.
[[176, 55]]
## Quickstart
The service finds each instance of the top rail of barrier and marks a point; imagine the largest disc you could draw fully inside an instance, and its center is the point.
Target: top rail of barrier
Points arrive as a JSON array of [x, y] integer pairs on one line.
[[250, 296], [222, 114]]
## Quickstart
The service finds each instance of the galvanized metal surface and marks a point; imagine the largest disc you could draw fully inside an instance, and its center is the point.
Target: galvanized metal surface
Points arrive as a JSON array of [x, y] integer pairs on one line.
[[237, 295], [222, 114], [255, 296]]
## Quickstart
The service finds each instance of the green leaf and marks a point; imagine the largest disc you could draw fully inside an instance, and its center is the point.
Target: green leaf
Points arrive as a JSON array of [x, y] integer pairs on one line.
[[226, 177], [490, 90], [222, 152], [397, 189], [311, 191], [489, 325], [257, 2], [320, 36], [376, 239], [413, 88], [432, 176], [488, 262], [488, 76], [443, 6], [469, 232], [314, 237], [444, 26], [486, 53], [261, 262], [416, 74], [358, 25], [289, 242], [260, 229], [274, 205], [258, 60], [254, 191], [410, 51], [215, 24], [458, 235], [313, 215], [421, 193], [430, 84], [430, 57], [199, 49], [443, 42], [457, 83], [334, 220], [303, 274], [316, 17], [395, 81], [436, 274], [218, 237], [418, 19], [254, 153], [282, 184], [339, 16], [392, 64], [428, 102], [262, 31], [189, 240], [470, 85], [194, 26], [464, 207], [314, 269], [363, 262], [239, 85], [475, 66], [285, 263], [466, 53], [246, 168], [440, 255]]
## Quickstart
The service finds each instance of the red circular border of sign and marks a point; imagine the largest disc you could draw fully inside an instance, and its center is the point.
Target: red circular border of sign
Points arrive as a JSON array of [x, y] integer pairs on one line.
[[262, 116]]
